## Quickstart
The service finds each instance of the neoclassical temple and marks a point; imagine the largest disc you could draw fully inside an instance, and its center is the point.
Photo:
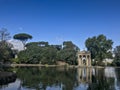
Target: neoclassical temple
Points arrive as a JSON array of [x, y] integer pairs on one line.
[[84, 58]]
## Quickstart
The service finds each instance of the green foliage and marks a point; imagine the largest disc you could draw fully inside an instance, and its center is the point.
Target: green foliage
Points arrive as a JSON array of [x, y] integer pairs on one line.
[[5, 48], [69, 45], [40, 78], [68, 53], [22, 36], [5, 52], [36, 54], [42, 44], [101, 82], [41, 52], [99, 63], [58, 47], [68, 56], [117, 56], [15, 60], [100, 47]]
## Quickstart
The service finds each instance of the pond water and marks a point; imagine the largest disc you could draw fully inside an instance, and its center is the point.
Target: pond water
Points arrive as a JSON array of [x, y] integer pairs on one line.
[[60, 78]]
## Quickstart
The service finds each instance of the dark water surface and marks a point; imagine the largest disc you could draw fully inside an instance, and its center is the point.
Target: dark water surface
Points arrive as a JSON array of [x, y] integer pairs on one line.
[[59, 78]]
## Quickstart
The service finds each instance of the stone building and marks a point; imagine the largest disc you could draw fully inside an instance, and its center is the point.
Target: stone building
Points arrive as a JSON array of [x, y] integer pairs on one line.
[[84, 58]]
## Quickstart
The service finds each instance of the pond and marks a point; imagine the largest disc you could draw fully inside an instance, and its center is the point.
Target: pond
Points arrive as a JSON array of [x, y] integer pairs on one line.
[[60, 78]]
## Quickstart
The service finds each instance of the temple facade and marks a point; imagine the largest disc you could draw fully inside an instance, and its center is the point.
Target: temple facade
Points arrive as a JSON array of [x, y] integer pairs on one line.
[[84, 58]]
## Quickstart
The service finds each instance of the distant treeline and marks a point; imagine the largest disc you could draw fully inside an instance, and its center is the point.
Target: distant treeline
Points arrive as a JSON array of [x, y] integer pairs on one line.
[[42, 53]]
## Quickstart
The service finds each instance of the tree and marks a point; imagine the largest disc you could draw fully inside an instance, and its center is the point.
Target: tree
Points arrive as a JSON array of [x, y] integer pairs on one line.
[[42, 52], [4, 35], [6, 54], [5, 48], [70, 45], [100, 47], [68, 53], [22, 37], [41, 78], [117, 55], [35, 54], [41, 44]]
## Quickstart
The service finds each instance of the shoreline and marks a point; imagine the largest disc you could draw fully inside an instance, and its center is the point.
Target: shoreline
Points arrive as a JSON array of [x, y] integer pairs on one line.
[[46, 65]]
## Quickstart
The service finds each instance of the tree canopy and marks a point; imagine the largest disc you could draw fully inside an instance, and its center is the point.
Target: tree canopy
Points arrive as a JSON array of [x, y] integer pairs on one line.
[[23, 37], [5, 48], [100, 47], [68, 53], [117, 55], [42, 52], [6, 53]]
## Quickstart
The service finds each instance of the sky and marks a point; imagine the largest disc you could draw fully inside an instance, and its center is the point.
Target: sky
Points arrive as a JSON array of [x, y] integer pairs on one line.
[[56, 21]]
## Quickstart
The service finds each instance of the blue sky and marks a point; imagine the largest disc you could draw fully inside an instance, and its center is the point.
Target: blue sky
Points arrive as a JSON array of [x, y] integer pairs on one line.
[[56, 21]]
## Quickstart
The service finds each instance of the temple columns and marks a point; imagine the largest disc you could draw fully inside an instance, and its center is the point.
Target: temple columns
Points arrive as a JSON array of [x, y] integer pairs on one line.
[[84, 59]]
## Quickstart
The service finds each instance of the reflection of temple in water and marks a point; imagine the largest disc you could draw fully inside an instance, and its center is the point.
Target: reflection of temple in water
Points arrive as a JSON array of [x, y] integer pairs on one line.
[[107, 76], [84, 75]]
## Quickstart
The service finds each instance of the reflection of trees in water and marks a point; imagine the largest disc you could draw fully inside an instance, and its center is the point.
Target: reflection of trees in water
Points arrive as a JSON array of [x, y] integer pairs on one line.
[[117, 71], [95, 79], [41, 78], [101, 82], [6, 78]]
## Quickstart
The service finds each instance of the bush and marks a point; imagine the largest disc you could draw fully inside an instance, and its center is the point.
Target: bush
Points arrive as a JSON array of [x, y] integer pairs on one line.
[[100, 63], [15, 60]]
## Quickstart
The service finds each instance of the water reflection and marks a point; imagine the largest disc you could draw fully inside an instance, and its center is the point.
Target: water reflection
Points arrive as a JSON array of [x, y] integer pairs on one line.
[[46, 78], [6, 78], [60, 78], [117, 78], [100, 81], [84, 75]]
